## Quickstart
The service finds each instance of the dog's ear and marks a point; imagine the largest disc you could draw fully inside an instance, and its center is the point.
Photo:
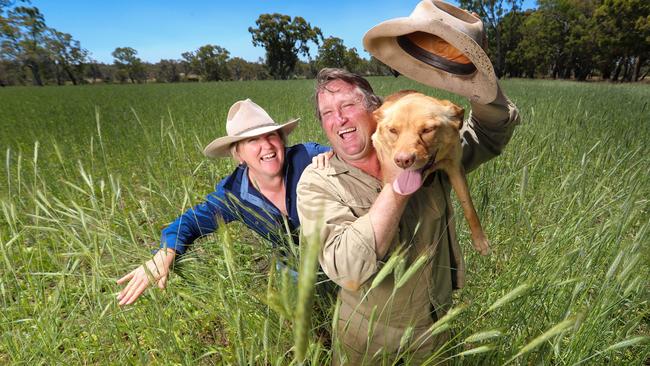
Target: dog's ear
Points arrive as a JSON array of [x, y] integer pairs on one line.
[[457, 113], [378, 114], [460, 115]]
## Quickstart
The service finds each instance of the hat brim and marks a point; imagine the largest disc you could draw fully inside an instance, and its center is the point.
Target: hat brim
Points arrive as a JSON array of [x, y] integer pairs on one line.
[[479, 86], [220, 147]]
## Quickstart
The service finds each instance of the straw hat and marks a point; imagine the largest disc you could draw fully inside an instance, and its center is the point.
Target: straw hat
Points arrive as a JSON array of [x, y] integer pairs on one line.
[[438, 45], [245, 120]]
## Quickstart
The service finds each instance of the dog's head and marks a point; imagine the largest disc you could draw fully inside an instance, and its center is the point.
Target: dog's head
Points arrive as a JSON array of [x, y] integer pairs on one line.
[[414, 130]]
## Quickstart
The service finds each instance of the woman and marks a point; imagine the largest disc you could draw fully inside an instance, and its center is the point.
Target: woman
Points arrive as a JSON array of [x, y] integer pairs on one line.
[[261, 192]]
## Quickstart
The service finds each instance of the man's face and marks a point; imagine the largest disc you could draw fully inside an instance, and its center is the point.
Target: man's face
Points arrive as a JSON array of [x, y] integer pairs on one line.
[[347, 123]]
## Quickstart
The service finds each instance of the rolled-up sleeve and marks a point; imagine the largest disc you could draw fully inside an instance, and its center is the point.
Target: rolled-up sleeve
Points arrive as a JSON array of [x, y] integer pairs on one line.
[[196, 222], [487, 131], [347, 254]]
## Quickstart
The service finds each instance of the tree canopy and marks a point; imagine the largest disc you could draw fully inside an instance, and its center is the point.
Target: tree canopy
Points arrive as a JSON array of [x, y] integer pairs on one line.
[[129, 65], [284, 39]]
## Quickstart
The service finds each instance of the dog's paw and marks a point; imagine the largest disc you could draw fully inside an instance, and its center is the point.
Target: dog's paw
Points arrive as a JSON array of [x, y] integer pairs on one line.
[[481, 244]]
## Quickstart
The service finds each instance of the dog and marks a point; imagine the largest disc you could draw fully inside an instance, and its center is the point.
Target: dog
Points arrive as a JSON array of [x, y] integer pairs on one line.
[[421, 134]]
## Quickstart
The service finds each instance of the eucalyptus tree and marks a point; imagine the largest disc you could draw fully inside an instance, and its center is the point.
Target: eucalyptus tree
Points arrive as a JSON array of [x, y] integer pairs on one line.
[[284, 39]]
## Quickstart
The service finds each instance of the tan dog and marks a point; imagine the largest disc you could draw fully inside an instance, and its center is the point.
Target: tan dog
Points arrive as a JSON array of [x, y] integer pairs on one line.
[[420, 134]]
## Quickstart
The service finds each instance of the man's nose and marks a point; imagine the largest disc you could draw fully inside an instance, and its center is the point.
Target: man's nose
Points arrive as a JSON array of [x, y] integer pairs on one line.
[[340, 117]]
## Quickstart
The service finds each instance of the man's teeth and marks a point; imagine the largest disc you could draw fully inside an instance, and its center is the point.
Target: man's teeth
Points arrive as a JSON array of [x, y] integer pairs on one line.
[[268, 156], [347, 130]]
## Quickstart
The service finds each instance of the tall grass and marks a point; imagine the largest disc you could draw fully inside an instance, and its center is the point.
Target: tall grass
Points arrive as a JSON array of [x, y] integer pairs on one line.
[[91, 174]]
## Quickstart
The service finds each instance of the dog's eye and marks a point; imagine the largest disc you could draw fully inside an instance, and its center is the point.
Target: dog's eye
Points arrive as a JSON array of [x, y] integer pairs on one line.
[[428, 130], [393, 130]]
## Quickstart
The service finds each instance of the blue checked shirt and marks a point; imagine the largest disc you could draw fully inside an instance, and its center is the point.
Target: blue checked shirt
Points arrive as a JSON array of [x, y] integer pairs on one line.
[[235, 198]]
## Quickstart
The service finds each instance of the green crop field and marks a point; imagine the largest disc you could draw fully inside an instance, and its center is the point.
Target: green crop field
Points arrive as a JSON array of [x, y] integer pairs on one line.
[[90, 175]]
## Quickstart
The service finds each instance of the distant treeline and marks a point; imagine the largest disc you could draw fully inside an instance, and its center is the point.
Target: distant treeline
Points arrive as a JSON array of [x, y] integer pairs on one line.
[[579, 39], [569, 39]]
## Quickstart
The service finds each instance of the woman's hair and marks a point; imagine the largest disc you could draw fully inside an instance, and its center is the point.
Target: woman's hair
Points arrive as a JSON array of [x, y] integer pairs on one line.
[[371, 101], [233, 146]]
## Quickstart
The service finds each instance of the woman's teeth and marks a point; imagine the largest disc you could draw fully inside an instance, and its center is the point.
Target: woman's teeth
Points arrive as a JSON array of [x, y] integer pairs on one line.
[[268, 157]]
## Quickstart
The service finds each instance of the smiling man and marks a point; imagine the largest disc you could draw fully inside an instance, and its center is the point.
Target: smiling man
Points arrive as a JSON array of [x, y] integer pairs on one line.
[[361, 221]]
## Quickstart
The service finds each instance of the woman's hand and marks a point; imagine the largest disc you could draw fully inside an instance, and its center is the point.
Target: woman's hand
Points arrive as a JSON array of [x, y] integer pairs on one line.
[[155, 269], [322, 161]]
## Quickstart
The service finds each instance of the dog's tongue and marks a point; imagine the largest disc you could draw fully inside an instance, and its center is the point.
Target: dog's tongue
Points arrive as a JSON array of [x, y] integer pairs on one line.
[[407, 182]]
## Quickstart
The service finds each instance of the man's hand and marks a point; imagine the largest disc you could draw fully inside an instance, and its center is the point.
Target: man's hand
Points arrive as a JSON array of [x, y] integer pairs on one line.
[[155, 269]]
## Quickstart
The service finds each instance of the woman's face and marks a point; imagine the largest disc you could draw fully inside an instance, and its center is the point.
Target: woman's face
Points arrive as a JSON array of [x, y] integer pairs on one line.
[[263, 154]]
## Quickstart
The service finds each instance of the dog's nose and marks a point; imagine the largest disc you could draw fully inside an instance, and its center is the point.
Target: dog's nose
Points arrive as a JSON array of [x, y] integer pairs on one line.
[[404, 160]]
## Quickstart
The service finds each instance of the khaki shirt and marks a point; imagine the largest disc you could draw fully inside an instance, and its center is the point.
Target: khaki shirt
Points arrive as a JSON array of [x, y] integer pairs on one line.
[[334, 203]]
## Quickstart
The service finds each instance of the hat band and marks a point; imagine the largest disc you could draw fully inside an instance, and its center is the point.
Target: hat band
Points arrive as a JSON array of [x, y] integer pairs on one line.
[[434, 60], [254, 127]]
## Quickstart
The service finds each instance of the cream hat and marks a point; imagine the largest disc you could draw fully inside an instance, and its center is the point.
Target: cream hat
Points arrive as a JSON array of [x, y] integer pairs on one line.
[[409, 46], [245, 120]]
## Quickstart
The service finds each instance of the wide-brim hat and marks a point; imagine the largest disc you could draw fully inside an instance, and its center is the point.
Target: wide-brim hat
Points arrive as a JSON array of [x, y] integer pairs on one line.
[[245, 120], [408, 45]]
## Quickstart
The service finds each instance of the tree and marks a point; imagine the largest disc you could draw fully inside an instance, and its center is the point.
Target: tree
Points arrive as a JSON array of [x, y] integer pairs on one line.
[[26, 40], [93, 71], [376, 67], [128, 64], [283, 38], [168, 71], [333, 53], [354, 61], [67, 54], [241, 69], [623, 38], [23, 34], [491, 13], [210, 61]]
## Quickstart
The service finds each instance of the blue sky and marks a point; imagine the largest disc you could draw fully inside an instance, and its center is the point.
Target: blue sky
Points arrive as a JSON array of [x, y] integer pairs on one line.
[[165, 29]]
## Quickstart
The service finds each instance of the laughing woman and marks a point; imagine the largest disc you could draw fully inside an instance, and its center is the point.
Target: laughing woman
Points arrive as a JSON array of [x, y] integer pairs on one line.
[[261, 192]]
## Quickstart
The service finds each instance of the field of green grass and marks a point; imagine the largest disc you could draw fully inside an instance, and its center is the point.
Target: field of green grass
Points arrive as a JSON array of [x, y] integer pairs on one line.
[[90, 174]]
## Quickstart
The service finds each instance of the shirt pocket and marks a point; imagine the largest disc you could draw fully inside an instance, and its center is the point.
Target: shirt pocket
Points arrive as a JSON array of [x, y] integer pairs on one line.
[[358, 206], [358, 198]]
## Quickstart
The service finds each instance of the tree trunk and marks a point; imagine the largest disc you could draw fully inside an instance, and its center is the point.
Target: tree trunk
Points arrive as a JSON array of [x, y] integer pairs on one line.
[[644, 75], [626, 70], [500, 58], [637, 68], [57, 72], [70, 74], [617, 70], [36, 73]]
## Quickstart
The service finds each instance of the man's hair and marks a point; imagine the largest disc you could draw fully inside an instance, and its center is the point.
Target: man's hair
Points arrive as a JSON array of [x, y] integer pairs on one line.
[[371, 101]]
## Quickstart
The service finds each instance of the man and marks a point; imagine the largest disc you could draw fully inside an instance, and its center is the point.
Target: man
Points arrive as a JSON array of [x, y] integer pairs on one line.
[[361, 222]]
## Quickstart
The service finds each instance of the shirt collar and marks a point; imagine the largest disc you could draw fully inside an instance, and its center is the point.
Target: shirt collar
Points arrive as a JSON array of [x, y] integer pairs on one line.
[[247, 195], [337, 166]]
